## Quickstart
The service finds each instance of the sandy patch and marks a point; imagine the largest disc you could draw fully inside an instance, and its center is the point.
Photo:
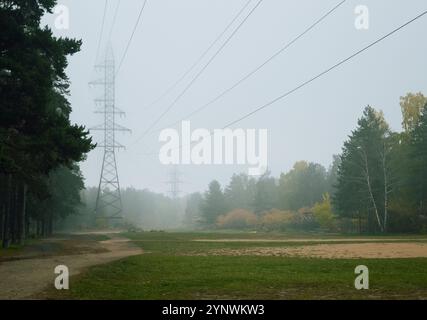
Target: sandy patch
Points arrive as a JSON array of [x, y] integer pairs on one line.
[[24, 278], [334, 251], [297, 240]]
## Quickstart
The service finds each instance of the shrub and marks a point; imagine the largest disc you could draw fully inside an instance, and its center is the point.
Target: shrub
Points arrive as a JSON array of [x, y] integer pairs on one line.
[[323, 213], [238, 219], [277, 220], [404, 217]]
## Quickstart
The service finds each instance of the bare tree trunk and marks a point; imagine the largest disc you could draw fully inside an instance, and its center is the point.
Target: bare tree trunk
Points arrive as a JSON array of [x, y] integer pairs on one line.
[[6, 239], [50, 225], [43, 227], [27, 226], [39, 228], [385, 189], [2, 215], [15, 212], [2, 202], [371, 195], [22, 220]]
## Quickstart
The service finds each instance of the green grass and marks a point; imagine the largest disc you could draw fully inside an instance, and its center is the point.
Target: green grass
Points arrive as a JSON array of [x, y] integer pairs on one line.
[[166, 271], [16, 249], [41, 248], [12, 250], [91, 237]]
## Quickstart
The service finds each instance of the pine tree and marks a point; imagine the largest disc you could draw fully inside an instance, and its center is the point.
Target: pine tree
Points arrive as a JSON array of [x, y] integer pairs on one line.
[[418, 169], [363, 174], [214, 204], [36, 135]]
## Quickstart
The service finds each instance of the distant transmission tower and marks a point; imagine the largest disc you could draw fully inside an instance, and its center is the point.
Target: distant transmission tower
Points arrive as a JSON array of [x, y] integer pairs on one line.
[[175, 183], [109, 201]]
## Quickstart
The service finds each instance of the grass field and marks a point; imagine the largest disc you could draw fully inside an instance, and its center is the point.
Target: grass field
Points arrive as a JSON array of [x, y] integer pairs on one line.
[[174, 266]]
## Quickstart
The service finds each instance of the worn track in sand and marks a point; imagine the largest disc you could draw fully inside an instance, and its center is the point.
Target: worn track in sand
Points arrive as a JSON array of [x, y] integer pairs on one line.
[[23, 276]]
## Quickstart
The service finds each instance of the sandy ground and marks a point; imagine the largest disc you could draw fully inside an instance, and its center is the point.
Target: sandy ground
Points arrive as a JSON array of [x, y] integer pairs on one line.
[[24, 276], [313, 240], [335, 251]]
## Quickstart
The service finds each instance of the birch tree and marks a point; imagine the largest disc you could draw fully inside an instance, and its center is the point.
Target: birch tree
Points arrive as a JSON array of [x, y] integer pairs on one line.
[[363, 174]]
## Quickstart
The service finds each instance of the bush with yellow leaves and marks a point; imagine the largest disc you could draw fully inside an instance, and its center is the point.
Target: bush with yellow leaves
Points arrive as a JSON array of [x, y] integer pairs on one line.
[[277, 219], [237, 219]]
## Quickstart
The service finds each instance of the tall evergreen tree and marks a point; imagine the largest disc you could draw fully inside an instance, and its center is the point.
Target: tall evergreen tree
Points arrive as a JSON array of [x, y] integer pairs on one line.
[[240, 192], [214, 204], [303, 186], [418, 153], [36, 135], [363, 175], [192, 210], [266, 194]]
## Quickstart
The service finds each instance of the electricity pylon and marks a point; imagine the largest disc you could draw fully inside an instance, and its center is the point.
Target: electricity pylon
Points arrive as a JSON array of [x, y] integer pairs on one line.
[[175, 183], [109, 201]]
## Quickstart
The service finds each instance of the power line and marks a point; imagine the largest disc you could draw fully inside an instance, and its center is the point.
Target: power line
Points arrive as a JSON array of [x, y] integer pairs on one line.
[[173, 86], [102, 29], [114, 19], [198, 74], [131, 37], [323, 73], [327, 70], [250, 74]]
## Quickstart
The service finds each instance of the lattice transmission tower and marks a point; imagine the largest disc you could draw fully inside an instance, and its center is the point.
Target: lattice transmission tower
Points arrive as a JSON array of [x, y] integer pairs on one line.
[[108, 201], [175, 183]]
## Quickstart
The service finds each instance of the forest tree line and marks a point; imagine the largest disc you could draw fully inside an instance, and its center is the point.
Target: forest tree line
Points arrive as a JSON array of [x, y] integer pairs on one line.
[[40, 148], [142, 210], [378, 184]]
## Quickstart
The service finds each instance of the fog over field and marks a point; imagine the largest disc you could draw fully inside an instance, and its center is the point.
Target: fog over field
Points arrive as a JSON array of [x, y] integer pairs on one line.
[[231, 155], [310, 124]]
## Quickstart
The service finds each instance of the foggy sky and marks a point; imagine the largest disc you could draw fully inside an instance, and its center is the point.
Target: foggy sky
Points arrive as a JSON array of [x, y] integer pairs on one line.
[[311, 124]]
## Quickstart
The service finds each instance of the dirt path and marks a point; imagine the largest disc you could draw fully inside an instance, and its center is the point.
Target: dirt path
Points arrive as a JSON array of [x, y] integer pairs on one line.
[[23, 277]]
